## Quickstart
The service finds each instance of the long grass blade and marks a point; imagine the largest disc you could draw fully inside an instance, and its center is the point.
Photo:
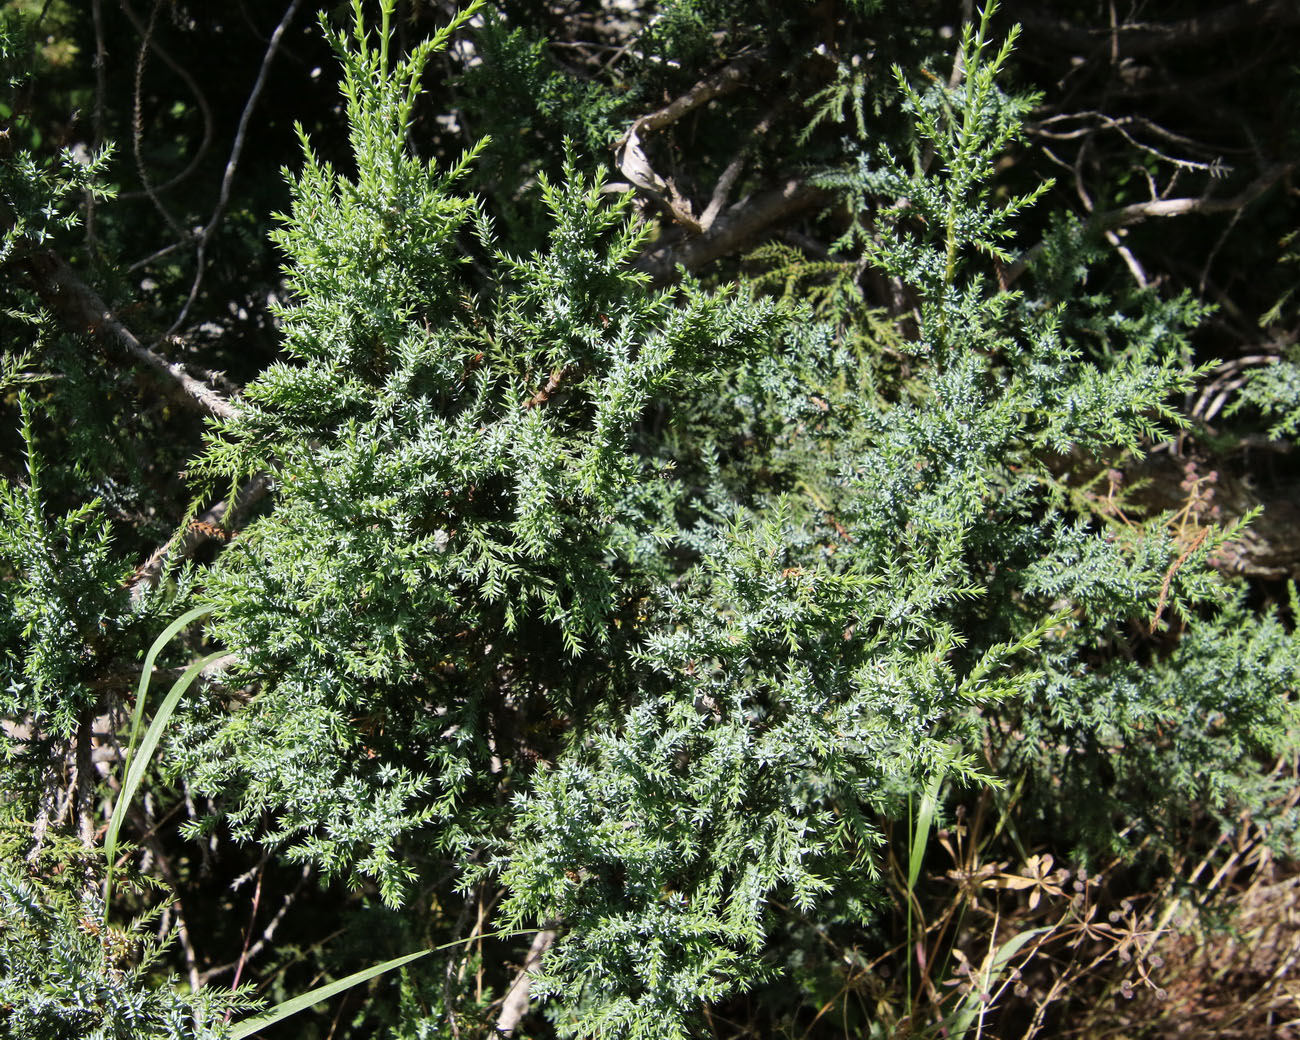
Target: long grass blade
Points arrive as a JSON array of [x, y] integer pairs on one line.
[[249, 1026], [958, 1024], [146, 672], [921, 837], [137, 759], [292, 1006]]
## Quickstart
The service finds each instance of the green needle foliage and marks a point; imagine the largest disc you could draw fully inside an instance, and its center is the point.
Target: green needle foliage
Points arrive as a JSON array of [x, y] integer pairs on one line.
[[662, 611], [451, 473]]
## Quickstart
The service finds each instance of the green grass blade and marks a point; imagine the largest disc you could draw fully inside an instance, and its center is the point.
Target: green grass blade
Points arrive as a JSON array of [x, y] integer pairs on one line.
[[295, 1004], [921, 837], [292, 1006], [147, 671], [958, 1024], [138, 761]]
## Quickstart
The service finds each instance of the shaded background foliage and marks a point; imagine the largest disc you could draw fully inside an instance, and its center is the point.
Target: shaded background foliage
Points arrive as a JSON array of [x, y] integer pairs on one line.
[[614, 665]]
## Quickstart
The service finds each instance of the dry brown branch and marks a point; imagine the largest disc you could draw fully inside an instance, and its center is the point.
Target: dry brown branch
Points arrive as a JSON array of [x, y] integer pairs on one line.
[[635, 165], [81, 308], [1134, 38], [1125, 216], [721, 82], [733, 229], [1136, 213], [516, 1000]]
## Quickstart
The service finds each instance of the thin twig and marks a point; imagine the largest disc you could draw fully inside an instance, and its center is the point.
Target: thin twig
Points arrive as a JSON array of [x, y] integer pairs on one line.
[[205, 110], [137, 112], [97, 129], [248, 932], [268, 933], [1150, 37], [232, 164], [1136, 213]]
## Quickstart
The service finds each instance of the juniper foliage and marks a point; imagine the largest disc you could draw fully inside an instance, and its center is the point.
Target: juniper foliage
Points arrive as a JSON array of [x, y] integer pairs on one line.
[[830, 654], [660, 609], [450, 470]]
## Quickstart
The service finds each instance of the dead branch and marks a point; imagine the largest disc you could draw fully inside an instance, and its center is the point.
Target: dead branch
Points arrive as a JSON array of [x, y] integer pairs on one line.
[[267, 934], [727, 181], [1135, 38], [1137, 212], [733, 229], [516, 1000], [232, 163], [721, 82], [635, 165], [1140, 211], [81, 308]]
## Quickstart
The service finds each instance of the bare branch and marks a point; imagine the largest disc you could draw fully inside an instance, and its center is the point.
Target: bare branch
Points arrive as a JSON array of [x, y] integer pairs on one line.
[[1135, 38], [516, 999], [268, 933], [205, 110], [737, 226], [1137, 212], [199, 531], [721, 82], [1140, 211], [235, 152], [66, 295], [727, 181]]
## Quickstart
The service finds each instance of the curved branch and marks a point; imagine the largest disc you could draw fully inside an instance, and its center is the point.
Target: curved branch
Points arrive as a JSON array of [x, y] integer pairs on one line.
[[1149, 37], [1137, 212], [233, 162], [733, 229], [516, 1001], [205, 110], [724, 81], [79, 306]]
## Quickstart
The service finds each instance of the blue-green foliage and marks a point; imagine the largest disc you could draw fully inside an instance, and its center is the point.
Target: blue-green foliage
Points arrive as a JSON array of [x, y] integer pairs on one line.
[[800, 703], [763, 668], [449, 468], [831, 652], [63, 595], [658, 608], [40, 194], [65, 973]]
